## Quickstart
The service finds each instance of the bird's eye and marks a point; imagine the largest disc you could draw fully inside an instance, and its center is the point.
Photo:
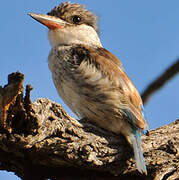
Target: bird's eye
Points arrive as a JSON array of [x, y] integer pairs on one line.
[[76, 19]]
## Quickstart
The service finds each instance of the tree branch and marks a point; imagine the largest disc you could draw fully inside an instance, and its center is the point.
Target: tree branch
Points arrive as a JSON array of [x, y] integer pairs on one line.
[[168, 74], [40, 140]]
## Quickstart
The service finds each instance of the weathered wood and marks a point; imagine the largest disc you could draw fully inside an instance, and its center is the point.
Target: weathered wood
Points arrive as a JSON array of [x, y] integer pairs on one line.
[[40, 140]]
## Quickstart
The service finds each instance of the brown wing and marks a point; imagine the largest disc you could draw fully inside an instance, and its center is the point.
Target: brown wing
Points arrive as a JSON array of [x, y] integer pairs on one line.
[[108, 55], [111, 66]]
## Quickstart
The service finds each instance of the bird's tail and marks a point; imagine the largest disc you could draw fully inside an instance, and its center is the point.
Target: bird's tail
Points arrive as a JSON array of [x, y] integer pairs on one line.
[[138, 154]]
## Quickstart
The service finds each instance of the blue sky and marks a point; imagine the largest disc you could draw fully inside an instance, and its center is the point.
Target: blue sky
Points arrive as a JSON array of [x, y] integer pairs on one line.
[[143, 34]]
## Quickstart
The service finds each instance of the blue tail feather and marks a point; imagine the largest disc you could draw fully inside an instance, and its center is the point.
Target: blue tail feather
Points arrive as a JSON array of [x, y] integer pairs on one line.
[[146, 130], [138, 154]]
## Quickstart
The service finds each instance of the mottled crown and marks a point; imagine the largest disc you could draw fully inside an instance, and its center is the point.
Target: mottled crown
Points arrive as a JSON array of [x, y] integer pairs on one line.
[[67, 11]]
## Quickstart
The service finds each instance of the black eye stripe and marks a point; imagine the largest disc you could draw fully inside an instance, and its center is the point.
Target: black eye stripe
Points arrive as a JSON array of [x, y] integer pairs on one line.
[[76, 19]]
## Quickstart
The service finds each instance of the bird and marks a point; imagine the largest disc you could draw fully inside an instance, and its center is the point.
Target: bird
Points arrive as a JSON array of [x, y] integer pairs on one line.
[[89, 78]]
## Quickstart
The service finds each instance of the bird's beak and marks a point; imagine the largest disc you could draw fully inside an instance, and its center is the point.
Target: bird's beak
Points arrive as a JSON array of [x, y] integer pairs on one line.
[[50, 21]]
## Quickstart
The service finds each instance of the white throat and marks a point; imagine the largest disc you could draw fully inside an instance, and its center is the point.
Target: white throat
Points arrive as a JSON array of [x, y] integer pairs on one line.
[[80, 34]]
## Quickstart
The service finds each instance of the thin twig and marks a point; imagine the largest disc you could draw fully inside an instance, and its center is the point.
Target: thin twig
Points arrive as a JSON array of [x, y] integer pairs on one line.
[[160, 81]]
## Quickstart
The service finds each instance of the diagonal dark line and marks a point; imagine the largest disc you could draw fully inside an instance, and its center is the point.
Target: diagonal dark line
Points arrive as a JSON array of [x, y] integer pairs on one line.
[[169, 73]]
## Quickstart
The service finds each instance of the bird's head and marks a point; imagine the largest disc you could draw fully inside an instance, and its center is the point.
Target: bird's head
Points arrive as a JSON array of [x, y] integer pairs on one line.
[[70, 24]]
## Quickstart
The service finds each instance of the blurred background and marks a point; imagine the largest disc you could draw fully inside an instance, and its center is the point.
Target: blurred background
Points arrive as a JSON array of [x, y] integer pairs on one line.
[[143, 34]]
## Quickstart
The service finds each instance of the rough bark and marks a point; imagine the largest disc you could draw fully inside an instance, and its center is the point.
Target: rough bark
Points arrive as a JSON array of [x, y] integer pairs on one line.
[[40, 140]]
